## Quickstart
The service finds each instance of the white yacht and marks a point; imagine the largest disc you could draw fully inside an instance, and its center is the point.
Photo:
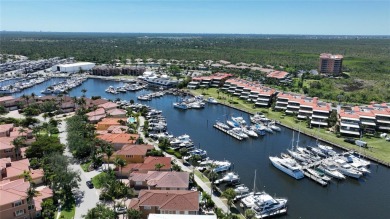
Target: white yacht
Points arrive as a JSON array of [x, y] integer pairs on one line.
[[212, 100], [229, 177], [222, 125], [180, 105], [232, 124], [181, 139], [289, 166], [249, 132], [273, 126], [347, 169], [328, 150], [266, 206], [351, 158], [221, 166], [241, 189], [331, 170], [240, 120], [239, 132]]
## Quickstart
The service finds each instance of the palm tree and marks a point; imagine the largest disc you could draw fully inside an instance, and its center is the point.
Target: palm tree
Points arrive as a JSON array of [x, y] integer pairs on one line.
[[31, 193], [33, 95], [18, 143], [108, 151], [119, 162], [229, 194], [158, 166], [249, 214]]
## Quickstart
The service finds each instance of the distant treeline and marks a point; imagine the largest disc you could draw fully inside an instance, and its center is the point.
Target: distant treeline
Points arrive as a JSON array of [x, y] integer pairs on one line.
[[362, 55]]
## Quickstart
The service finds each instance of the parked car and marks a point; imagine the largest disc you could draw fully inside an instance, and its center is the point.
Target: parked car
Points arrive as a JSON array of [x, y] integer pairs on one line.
[[89, 184], [120, 210], [350, 140]]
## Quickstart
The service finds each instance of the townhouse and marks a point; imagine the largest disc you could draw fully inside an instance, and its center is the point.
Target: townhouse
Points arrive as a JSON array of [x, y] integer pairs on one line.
[[214, 80], [250, 91], [159, 180], [371, 118], [304, 107]]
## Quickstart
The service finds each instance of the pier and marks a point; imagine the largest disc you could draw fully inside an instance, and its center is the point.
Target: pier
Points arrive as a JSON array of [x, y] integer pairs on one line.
[[228, 132]]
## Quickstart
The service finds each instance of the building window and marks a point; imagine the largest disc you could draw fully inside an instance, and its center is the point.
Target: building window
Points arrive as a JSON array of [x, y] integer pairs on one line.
[[18, 203], [147, 207], [19, 212]]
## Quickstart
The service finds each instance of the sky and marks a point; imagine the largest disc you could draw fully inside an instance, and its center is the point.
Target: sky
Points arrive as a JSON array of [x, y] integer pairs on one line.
[[317, 17]]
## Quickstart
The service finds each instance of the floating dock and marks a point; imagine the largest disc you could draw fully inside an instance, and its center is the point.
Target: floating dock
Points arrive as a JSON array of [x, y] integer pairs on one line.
[[228, 132]]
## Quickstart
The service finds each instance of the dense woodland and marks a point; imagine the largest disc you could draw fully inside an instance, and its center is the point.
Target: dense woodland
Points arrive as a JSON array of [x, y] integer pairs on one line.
[[367, 59]]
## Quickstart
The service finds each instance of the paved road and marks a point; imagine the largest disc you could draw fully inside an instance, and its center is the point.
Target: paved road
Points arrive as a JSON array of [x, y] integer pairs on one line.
[[86, 198], [218, 202]]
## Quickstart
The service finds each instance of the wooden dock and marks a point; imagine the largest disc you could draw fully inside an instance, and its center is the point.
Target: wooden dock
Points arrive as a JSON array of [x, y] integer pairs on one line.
[[228, 132]]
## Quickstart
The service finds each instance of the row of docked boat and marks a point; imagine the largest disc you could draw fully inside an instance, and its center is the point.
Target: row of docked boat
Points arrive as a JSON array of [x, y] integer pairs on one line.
[[156, 121], [65, 86], [125, 88], [21, 85], [150, 96], [320, 163], [196, 102]]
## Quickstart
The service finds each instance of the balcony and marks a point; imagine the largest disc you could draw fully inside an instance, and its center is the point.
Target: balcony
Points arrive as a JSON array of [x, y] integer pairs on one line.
[[293, 106], [262, 104], [319, 116], [349, 132], [318, 122]]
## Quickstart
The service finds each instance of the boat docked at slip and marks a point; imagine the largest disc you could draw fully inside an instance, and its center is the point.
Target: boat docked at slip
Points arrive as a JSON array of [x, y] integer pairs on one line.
[[212, 100], [240, 120], [327, 150], [249, 132], [180, 105], [331, 170], [267, 206], [238, 132], [274, 127], [230, 177], [351, 158], [347, 169], [180, 139], [222, 125], [288, 166], [232, 124], [241, 189], [221, 166]]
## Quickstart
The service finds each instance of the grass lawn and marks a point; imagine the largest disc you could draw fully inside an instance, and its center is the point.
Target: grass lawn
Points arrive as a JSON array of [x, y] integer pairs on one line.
[[96, 180], [85, 166], [379, 148], [68, 210], [202, 177]]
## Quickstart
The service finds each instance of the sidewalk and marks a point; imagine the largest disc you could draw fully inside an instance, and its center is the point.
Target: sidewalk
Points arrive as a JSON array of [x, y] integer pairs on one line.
[[218, 202]]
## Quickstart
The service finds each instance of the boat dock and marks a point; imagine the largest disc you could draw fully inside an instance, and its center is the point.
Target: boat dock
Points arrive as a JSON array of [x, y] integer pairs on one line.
[[228, 132]]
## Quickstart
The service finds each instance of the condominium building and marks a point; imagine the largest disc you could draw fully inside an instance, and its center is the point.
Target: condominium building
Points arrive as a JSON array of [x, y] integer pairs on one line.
[[107, 70], [371, 118], [251, 91], [330, 64], [304, 107], [215, 80]]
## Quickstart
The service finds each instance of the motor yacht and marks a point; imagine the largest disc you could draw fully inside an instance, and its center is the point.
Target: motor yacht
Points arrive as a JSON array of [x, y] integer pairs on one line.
[[331, 170], [289, 166]]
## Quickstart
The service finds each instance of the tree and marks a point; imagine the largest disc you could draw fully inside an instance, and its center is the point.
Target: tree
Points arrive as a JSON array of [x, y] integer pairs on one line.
[[133, 214], [48, 208], [249, 214], [229, 194], [100, 211], [119, 162], [109, 152], [44, 145], [31, 193], [158, 166]]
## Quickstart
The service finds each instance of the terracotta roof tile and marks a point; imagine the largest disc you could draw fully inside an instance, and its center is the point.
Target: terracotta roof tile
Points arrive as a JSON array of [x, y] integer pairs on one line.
[[174, 200]]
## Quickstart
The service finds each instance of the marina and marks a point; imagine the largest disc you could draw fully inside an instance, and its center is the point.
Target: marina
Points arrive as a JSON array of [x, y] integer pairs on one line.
[[305, 198]]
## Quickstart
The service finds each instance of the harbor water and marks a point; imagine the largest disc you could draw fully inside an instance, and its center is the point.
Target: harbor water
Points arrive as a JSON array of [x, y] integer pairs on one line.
[[367, 197]]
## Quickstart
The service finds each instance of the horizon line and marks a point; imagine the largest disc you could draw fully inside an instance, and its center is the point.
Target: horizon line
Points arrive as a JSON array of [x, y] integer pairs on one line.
[[183, 33]]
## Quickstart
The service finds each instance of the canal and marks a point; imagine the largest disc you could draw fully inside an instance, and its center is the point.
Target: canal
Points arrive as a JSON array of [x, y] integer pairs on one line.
[[367, 197]]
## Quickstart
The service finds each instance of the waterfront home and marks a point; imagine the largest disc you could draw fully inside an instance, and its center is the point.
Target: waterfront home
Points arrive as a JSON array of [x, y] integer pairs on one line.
[[133, 153], [373, 117], [304, 107], [108, 106], [13, 170], [149, 164], [159, 180], [6, 129], [166, 202], [116, 113], [119, 140], [106, 123], [14, 202]]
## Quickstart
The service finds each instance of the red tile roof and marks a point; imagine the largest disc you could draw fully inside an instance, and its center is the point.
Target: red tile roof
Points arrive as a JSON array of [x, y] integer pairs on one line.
[[277, 74], [161, 179], [169, 200], [134, 149], [122, 138]]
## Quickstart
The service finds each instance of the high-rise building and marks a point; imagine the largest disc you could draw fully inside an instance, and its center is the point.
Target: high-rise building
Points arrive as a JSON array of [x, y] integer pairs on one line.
[[330, 64]]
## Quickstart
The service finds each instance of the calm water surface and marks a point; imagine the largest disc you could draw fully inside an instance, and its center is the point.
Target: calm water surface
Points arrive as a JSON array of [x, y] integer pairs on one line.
[[368, 197]]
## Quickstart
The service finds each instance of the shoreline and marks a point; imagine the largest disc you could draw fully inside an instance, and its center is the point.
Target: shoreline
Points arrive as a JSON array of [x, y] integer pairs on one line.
[[371, 158]]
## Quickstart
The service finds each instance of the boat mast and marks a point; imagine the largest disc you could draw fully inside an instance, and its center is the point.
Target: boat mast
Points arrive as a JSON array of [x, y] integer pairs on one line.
[[298, 138], [254, 183], [292, 141]]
